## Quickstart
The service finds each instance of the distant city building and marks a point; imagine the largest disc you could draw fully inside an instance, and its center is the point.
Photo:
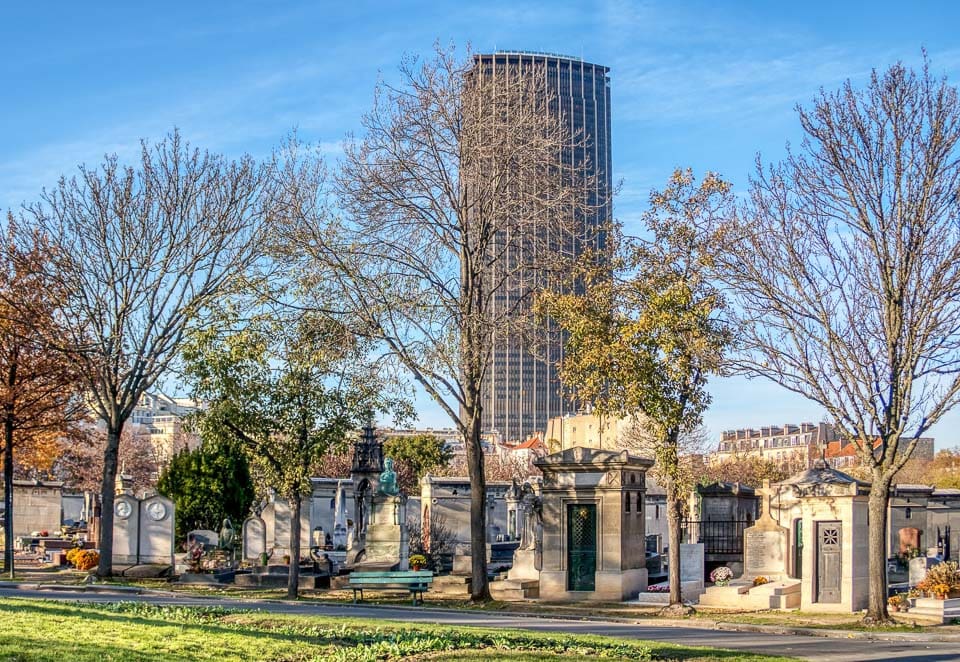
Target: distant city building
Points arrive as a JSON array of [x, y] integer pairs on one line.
[[522, 390], [803, 443], [162, 417], [776, 442], [588, 430]]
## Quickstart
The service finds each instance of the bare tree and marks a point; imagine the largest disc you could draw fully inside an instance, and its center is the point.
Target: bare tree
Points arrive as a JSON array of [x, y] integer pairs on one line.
[[460, 196], [137, 252], [848, 273]]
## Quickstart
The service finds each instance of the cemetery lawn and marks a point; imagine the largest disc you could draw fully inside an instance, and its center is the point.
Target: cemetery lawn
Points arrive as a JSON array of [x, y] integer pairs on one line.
[[41, 630]]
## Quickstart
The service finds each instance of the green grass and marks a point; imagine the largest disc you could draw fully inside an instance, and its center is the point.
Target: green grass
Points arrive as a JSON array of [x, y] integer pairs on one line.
[[46, 630]]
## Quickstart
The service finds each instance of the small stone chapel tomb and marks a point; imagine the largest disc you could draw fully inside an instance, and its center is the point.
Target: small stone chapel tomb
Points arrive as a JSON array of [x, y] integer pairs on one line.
[[593, 525]]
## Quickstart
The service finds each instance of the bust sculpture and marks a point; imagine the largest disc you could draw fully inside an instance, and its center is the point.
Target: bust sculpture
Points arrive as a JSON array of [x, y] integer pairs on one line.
[[388, 479]]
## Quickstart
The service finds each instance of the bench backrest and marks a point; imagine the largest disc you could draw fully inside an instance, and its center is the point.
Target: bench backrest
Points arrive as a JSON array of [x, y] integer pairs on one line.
[[389, 577]]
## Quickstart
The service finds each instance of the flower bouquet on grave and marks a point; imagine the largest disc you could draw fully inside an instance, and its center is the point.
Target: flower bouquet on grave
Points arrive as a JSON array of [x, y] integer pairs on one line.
[[662, 587], [417, 561], [721, 576], [942, 580], [757, 581]]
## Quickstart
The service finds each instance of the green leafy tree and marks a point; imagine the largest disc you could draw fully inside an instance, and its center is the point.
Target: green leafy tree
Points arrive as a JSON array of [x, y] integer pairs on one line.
[[207, 484], [417, 454], [288, 390], [646, 334]]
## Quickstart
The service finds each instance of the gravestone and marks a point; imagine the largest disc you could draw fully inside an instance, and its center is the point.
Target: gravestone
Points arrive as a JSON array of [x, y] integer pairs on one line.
[[156, 530], [126, 529], [919, 567], [909, 539], [691, 563], [765, 546], [209, 539], [254, 536]]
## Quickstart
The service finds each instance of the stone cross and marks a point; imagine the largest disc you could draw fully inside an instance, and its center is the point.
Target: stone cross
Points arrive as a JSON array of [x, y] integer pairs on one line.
[[765, 493]]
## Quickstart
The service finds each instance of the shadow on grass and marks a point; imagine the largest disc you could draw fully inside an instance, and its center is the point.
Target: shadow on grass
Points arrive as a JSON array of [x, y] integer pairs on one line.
[[91, 616]]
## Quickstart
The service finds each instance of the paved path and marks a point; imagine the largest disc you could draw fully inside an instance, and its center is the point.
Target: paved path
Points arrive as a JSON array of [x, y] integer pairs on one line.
[[810, 648]]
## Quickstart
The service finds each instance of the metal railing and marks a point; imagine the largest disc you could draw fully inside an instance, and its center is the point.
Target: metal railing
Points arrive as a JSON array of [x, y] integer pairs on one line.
[[717, 536]]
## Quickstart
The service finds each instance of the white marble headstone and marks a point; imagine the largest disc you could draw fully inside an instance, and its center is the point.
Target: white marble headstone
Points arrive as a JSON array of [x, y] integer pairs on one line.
[[157, 518], [254, 536]]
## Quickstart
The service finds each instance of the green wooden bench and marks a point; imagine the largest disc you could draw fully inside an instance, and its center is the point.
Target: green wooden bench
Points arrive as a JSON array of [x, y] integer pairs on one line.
[[415, 581]]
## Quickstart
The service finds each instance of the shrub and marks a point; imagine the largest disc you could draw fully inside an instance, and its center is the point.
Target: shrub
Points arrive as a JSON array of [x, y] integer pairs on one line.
[[86, 559], [72, 555]]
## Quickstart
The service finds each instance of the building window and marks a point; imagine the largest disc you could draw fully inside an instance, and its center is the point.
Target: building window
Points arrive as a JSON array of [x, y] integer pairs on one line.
[[907, 512]]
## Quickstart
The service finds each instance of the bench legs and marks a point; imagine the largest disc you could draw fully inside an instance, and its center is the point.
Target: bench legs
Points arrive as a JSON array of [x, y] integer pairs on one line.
[[355, 595]]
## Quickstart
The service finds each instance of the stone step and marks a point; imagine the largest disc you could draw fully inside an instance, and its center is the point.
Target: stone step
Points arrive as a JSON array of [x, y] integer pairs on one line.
[[515, 590]]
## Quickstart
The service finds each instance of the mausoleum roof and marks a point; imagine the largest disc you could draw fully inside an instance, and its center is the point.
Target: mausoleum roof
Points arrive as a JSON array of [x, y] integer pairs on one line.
[[822, 473], [589, 458]]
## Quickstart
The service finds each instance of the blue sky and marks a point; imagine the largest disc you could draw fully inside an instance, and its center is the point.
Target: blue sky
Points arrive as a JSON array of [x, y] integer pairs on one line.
[[705, 85]]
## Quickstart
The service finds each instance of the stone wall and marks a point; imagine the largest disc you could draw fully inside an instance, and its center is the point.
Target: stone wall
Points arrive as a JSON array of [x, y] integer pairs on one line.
[[36, 506]]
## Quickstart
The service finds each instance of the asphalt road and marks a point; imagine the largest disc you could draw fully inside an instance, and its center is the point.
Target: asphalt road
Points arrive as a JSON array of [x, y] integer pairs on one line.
[[809, 648]]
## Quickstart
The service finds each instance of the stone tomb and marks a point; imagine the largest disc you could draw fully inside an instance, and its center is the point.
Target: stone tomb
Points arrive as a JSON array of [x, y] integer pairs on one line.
[[919, 567], [593, 525], [156, 530], [765, 549], [254, 536], [126, 529], [765, 554], [143, 530], [385, 543], [825, 511], [691, 569]]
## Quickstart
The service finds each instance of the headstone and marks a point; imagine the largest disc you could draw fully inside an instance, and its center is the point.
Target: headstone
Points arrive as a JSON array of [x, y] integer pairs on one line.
[[254, 538], [126, 529], [209, 539], [919, 567], [909, 539], [156, 530], [765, 546], [340, 520], [691, 563]]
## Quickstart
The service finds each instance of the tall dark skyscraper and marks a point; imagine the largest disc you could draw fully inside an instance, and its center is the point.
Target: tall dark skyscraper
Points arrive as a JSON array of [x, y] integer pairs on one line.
[[522, 391]]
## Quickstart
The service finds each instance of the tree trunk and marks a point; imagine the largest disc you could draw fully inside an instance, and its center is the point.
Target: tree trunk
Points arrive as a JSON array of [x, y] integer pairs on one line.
[[8, 495], [107, 492], [293, 582], [877, 551], [673, 542], [479, 587]]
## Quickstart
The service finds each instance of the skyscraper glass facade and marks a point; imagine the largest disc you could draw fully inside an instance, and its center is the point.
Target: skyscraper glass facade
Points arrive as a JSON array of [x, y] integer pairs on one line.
[[522, 390]]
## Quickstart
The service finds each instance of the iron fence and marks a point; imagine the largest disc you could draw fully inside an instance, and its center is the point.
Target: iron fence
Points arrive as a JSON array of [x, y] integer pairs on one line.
[[717, 536]]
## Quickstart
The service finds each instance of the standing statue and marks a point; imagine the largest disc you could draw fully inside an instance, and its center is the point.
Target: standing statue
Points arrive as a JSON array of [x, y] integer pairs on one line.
[[388, 479], [531, 509], [227, 536]]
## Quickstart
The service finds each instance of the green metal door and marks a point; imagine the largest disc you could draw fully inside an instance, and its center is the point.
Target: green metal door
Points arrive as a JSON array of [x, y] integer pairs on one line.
[[581, 547]]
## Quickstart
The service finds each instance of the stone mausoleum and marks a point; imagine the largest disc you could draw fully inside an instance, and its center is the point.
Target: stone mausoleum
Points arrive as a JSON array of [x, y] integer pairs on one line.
[[593, 525]]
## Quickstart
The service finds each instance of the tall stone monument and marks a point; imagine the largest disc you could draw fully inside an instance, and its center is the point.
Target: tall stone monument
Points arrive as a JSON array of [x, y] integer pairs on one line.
[[365, 472], [385, 540]]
